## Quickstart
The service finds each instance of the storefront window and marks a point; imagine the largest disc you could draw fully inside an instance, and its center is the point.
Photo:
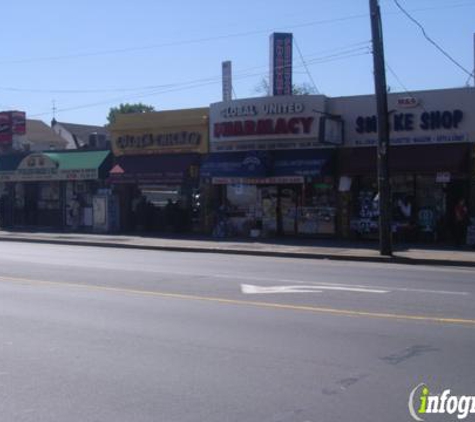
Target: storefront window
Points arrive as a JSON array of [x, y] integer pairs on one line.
[[160, 196], [48, 198], [242, 207], [19, 196], [288, 209], [365, 207], [317, 213], [268, 195], [431, 204]]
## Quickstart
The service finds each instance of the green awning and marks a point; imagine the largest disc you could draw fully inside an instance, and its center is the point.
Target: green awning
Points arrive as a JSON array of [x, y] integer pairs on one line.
[[78, 160], [45, 166]]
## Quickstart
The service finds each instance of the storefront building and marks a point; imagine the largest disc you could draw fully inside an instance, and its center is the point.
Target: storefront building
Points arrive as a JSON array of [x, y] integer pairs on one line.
[[271, 167], [432, 135], [156, 169], [39, 189]]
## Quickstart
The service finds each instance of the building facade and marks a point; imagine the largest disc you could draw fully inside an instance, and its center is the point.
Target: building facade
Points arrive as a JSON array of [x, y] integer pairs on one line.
[[432, 136], [307, 165], [53, 189], [271, 167], [156, 171]]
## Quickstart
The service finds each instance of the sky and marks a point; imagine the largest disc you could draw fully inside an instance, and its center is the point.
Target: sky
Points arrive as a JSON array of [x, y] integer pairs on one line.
[[76, 60]]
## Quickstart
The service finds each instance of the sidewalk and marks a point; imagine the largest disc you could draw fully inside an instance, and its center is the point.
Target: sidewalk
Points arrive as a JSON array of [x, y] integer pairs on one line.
[[288, 248]]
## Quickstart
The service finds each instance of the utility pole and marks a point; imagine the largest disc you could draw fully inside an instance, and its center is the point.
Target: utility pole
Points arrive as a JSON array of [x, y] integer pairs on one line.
[[384, 188]]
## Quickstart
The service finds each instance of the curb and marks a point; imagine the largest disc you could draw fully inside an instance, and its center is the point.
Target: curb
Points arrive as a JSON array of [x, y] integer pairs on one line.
[[272, 254]]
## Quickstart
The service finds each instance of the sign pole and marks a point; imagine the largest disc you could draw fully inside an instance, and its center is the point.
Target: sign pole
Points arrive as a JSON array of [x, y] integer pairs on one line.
[[385, 246]]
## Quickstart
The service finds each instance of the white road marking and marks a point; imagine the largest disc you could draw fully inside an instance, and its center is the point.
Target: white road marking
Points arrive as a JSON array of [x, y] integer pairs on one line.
[[350, 287], [250, 289], [404, 289], [317, 288], [330, 286]]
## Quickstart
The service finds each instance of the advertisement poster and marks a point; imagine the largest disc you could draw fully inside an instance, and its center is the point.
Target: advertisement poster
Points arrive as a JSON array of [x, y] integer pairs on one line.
[[5, 128]]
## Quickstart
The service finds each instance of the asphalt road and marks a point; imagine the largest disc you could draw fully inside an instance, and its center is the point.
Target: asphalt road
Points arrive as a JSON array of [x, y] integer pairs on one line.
[[94, 334]]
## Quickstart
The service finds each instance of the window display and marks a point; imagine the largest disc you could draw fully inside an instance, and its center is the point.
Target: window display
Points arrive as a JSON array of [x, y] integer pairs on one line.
[[269, 209], [317, 214], [288, 209], [49, 195], [241, 207]]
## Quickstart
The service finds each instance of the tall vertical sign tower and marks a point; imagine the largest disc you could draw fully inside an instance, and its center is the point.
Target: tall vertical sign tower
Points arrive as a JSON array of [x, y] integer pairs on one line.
[[280, 78], [227, 80]]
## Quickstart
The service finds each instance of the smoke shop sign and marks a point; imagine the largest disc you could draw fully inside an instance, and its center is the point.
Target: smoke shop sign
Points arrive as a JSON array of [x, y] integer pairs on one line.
[[436, 126], [265, 123]]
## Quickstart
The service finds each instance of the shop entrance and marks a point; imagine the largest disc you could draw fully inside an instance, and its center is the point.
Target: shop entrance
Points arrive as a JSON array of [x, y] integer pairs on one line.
[[31, 204], [456, 190], [279, 208], [270, 209], [153, 207], [282, 210]]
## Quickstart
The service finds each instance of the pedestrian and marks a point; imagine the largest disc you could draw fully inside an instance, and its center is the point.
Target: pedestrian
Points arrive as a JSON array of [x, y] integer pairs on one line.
[[460, 222], [405, 208], [75, 212], [135, 210]]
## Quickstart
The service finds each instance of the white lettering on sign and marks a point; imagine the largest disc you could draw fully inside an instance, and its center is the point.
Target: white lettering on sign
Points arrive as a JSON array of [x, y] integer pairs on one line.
[[176, 139], [239, 111], [282, 108]]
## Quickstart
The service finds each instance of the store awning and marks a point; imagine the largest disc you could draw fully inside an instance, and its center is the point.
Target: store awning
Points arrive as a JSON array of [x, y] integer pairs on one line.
[[453, 158], [162, 169], [252, 164], [306, 163], [269, 164], [50, 166]]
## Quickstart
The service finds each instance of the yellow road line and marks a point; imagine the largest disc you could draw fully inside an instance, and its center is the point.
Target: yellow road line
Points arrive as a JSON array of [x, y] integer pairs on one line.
[[268, 305]]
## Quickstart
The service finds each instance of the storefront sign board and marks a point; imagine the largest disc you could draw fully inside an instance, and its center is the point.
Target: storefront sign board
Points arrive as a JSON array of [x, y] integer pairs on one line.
[[164, 132], [268, 123]]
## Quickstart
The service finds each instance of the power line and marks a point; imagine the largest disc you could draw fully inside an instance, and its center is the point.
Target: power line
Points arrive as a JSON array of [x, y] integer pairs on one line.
[[305, 66], [311, 59], [430, 39], [396, 77], [196, 84], [391, 70], [344, 54], [470, 77], [209, 39], [185, 42]]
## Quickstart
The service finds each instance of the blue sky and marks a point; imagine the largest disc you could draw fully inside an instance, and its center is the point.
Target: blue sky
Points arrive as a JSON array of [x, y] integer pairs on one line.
[[87, 56]]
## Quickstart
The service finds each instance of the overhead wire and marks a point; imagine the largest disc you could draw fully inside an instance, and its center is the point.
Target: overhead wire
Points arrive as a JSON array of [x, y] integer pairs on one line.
[[311, 58], [184, 42], [208, 39], [472, 75], [428, 38], [203, 82], [403, 86], [305, 65], [157, 89]]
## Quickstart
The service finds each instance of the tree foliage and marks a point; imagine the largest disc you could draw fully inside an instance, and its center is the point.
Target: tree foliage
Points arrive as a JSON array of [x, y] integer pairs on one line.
[[128, 108], [304, 88]]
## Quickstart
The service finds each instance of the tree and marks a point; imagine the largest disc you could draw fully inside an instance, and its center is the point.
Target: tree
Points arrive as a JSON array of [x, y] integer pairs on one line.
[[128, 108], [304, 88]]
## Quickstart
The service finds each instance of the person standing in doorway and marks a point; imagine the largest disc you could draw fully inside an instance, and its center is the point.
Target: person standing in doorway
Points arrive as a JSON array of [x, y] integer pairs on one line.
[[75, 212], [460, 222]]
